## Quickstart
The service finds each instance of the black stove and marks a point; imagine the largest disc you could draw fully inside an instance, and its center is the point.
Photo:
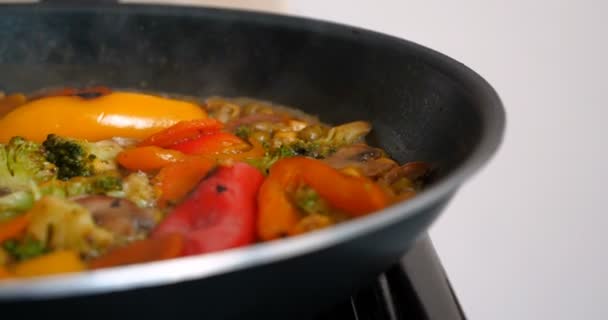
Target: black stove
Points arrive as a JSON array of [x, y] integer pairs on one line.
[[416, 288]]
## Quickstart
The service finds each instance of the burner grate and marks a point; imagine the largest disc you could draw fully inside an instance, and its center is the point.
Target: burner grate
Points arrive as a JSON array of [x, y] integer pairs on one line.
[[414, 289]]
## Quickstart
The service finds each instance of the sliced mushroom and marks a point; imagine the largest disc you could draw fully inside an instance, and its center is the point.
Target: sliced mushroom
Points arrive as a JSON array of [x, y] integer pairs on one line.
[[412, 171], [348, 133], [369, 160], [405, 181], [119, 216], [222, 109], [254, 118]]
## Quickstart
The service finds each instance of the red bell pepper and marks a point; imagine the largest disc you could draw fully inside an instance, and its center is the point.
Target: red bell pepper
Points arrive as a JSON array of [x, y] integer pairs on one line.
[[146, 250], [182, 131], [212, 143], [220, 213]]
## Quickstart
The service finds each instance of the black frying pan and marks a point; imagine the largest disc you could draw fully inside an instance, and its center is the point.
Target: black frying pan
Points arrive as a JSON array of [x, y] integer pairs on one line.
[[423, 105]]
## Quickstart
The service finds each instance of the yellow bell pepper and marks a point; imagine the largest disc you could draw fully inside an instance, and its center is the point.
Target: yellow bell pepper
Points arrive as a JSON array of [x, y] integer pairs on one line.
[[117, 114], [53, 263]]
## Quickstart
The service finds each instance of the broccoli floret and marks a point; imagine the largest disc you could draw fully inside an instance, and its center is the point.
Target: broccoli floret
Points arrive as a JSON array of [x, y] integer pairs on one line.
[[22, 163], [25, 249], [263, 164], [317, 150], [101, 184], [309, 201], [20, 201], [80, 158], [243, 132], [272, 155]]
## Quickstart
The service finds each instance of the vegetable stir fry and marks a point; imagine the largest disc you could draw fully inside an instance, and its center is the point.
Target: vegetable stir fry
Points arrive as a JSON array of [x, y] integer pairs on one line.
[[94, 178]]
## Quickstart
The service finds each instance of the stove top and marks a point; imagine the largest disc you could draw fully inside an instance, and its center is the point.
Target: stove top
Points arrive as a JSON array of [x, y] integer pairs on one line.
[[416, 288]]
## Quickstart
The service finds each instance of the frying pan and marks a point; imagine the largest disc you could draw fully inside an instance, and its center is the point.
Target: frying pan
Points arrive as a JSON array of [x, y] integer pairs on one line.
[[422, 104]]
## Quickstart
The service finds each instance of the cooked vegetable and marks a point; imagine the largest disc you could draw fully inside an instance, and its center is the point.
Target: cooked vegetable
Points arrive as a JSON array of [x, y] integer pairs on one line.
[[182, 131], [118, 114], [311, 222], [22, 163], [77, 186], [138, 189], [278, 216], [4, 257], [148, 158], [63, 224], [370, 161], [4, 274], [222, 110], [309, 201], [61, 261], [213, 143], [220, 214], [18, 202], [243, 132], [348, 133], [405, 181], [74, 157], [121, 217], [312, 133], [26, 249], [15, 203], [14, 227], [91, 178], [175, 181], [153, 249]]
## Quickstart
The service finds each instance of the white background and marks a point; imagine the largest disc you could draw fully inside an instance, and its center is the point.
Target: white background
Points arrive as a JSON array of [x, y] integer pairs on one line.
[[525, 238]]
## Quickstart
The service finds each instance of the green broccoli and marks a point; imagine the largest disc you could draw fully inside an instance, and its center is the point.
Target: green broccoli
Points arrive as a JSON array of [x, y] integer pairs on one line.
[[314, 149], [20, 201], [309, 201], [101, 184], [263, 164], [22, 163], [25, 249], [243, 132], [80, 158]]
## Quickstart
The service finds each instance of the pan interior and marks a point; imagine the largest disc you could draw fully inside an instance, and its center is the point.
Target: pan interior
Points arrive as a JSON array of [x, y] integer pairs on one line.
[[340, 74]]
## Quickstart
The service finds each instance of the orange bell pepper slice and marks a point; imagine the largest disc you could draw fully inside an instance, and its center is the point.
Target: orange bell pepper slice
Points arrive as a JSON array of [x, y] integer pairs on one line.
[[176, 180], [278, 217], [148, 158], [53, 263], [151, 249], [182, 131], [256, 151], [14, 228], [4, 274]]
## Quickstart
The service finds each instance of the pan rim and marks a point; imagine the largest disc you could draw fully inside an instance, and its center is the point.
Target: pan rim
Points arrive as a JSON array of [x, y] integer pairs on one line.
[[154, 274]]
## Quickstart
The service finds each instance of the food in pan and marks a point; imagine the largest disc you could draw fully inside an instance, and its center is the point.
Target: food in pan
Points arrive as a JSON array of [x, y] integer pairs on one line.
[[94, 178]]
